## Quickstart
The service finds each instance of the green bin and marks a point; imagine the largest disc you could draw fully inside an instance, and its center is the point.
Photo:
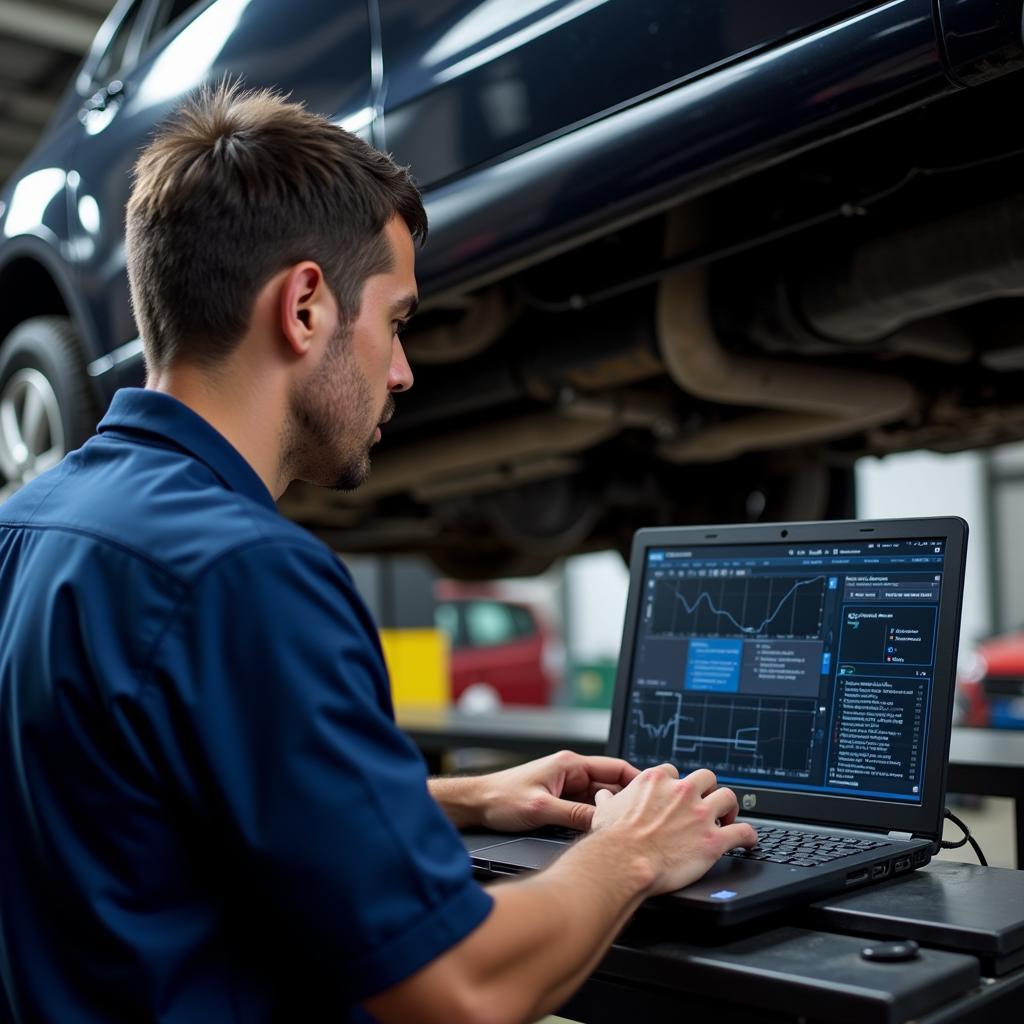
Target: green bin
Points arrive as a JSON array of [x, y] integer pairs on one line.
[[592, 684]]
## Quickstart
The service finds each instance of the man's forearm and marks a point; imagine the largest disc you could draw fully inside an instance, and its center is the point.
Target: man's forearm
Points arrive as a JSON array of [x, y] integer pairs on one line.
[[544, 936], [548, 932], [460, 797]]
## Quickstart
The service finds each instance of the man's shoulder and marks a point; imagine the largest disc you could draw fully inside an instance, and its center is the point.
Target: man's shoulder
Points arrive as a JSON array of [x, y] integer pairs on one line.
[[169, 511]]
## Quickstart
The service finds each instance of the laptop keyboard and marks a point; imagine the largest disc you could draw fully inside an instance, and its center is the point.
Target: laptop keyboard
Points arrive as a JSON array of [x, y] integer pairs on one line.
[[802, 849], [774, 845]]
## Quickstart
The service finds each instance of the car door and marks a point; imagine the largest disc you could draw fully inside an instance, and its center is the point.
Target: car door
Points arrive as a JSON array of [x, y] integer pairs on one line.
[[501, 648], [466, 81], [159, 51]]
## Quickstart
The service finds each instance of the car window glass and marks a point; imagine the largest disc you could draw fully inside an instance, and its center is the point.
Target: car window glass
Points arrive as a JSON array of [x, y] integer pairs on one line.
[[113, 57], [446, 619], [489, 623], [523, 621]]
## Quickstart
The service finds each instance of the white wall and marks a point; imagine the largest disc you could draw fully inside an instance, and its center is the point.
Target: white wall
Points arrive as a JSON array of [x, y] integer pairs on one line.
[[596, 586], [929, 484], [1008, 515]]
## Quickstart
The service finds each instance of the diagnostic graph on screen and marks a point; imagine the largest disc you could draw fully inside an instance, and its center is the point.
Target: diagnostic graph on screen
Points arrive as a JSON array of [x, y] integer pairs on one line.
[[734, 606], [743, 736]]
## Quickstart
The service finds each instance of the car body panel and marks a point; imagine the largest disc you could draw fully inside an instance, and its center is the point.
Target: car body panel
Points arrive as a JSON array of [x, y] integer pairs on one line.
[[695, 137], [469, 81], [34, 225]]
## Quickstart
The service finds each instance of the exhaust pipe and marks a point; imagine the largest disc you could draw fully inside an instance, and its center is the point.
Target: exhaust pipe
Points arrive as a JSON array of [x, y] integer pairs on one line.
[[810, 403]]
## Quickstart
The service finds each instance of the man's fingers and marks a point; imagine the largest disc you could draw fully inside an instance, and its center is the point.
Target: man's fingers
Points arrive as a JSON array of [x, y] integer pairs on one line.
[[737, 834], [601, 795], [611, 769], [568, 814], [724, 804], [595, 768], [703, 780]]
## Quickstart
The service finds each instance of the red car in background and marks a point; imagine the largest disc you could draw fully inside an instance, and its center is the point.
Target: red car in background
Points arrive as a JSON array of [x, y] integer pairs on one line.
[[990, 687], [502, 651]]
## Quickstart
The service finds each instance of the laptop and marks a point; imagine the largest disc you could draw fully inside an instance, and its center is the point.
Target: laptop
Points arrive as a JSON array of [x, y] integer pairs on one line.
[[811, 667]]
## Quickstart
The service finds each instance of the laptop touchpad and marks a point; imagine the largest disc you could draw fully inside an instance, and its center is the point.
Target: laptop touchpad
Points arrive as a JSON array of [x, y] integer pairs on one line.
[[524, 853]]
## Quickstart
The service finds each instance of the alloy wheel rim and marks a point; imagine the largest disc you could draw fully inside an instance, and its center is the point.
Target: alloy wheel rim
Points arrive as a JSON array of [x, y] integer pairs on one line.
[[31, 429]]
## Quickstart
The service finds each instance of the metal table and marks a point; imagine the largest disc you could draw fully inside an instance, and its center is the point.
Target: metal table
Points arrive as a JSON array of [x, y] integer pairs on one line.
[[982, 761]]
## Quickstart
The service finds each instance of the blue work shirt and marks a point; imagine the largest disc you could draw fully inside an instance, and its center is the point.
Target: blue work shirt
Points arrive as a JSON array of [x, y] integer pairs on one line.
[[207, 812]]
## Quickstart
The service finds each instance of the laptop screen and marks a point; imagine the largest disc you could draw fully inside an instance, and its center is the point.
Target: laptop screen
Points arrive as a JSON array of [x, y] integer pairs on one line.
[[805, 667]]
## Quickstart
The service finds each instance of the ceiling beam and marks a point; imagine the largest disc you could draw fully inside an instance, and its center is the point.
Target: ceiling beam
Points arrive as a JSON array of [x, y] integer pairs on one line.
[[16, 139], [100, 7], [27, 107], [8, 165], [37, 22]]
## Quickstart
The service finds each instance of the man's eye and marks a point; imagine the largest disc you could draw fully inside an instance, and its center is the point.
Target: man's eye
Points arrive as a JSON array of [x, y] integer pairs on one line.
[[397, 326]]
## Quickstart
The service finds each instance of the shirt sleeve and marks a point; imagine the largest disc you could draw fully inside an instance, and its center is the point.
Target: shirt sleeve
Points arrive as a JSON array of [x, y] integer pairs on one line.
[[269, 697]]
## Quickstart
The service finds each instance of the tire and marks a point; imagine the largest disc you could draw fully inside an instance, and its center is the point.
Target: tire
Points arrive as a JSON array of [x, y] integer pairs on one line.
[[46, 406]]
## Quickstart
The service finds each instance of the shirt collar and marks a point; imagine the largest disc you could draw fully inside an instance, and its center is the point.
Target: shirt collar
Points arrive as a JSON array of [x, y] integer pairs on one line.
[[138, 411]]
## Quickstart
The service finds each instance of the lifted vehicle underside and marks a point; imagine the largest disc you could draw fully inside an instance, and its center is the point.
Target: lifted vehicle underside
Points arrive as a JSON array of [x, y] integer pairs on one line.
[[726, 359]]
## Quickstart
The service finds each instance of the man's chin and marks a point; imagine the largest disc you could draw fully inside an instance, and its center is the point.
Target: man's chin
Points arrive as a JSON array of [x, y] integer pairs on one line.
[[352, 477], [345, 485]]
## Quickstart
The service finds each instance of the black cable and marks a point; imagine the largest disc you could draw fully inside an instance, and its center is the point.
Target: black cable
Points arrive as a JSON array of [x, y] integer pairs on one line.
[[967, 838]]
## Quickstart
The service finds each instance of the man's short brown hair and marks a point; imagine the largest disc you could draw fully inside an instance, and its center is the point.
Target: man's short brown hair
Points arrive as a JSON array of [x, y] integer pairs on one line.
[[236, 187]]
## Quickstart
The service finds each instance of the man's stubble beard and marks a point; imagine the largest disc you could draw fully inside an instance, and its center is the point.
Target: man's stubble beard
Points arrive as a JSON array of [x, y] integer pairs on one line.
[[336, 401]]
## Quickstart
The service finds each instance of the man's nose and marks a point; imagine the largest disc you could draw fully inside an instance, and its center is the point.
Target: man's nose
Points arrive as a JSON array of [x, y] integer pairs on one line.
[[400, 373]]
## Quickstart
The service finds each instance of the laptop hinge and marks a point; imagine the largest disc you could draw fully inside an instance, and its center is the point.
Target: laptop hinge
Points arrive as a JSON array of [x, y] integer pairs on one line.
[[903, 837]]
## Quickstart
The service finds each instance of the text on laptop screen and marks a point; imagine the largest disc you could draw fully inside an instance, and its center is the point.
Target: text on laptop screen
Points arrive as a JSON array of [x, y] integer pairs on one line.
[[789, 666]]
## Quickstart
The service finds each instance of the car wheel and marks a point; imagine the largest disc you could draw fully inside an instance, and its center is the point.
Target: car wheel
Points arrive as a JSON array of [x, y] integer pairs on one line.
[[46, 406]]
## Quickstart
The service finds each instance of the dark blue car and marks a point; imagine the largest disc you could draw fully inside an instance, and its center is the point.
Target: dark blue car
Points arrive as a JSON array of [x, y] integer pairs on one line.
[[687, 260]]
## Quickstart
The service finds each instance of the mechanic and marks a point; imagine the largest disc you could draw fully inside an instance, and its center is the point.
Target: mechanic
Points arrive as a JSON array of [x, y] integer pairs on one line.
[[208, 811]]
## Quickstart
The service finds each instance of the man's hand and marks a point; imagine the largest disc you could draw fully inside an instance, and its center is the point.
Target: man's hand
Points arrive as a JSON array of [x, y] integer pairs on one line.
[[679, 826], [554, 790]]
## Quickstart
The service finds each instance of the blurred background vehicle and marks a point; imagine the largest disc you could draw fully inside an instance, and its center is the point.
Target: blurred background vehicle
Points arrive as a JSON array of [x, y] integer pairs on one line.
[[990, 684], [501, 651]]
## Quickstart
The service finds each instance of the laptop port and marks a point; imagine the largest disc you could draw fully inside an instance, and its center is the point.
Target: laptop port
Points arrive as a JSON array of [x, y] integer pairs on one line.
[[920, 857], [856, 877], [880, 871], [903, 864]]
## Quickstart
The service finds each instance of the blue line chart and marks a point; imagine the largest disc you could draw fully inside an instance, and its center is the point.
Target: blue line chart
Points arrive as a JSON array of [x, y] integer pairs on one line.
[[704, 597], [744, 735], [661, 730]]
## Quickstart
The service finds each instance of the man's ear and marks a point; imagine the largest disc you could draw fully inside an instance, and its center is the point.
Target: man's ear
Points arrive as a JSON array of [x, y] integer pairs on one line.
[[303, 306]]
